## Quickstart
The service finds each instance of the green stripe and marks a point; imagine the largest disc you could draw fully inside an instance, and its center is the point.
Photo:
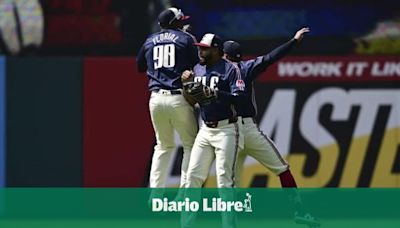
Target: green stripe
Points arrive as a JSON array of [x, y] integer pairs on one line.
[[128, 207]]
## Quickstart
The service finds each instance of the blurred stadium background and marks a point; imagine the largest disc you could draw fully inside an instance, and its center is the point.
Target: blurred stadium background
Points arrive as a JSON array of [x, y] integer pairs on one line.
[[73, 108]]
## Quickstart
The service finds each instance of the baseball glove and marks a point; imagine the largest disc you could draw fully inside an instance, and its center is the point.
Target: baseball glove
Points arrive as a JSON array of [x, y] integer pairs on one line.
[[202, 94]]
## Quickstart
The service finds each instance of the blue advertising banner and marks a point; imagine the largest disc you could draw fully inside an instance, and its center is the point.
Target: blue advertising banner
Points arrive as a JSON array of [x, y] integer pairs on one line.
[[2, 120]]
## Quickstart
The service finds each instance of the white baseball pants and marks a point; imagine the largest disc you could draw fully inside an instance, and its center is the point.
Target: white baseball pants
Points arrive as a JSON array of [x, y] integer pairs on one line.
[[170, 112], [221, 143], [260, 147]]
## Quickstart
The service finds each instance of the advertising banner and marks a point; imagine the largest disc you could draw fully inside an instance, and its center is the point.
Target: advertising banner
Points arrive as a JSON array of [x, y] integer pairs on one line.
[[336, 120], [334, 69], [118, 137]]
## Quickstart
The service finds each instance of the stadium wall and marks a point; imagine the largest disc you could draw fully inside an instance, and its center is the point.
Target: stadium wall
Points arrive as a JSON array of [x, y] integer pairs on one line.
[[44, 137], [2, 121]]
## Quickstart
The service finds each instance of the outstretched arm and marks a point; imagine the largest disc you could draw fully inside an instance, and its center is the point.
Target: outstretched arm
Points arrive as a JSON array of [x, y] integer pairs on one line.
[[262, 62], [284, 49]]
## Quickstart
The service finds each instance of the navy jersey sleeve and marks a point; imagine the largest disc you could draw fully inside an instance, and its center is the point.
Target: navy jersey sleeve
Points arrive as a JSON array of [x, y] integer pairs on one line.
[[235, 79], [194, 52], [256, 66], [141, 59], [236, 84]]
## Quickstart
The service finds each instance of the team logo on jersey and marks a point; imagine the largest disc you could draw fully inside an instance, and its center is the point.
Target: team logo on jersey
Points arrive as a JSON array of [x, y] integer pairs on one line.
[[240, 84]]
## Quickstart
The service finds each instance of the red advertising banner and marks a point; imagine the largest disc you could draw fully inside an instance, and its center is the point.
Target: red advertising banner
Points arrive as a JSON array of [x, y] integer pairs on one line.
[[334, 69], [117, 132]]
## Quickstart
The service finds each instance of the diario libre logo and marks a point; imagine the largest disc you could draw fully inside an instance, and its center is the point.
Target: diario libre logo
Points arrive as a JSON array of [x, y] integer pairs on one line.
[[208, 205]]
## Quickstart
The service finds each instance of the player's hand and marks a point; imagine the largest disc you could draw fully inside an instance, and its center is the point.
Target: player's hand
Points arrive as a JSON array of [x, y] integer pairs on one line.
[[187, 76], [300, 34]]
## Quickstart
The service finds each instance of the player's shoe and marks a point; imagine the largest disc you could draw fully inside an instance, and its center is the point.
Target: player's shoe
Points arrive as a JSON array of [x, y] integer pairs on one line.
[[306, 219]]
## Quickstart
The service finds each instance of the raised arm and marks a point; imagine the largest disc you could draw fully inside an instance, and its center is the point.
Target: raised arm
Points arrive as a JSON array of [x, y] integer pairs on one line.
[[258, 65], [285, 48]]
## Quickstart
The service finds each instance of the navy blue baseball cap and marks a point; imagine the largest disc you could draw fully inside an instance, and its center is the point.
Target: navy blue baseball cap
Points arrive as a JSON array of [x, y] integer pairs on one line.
[[211, 40], [167, 16], [232, 48]]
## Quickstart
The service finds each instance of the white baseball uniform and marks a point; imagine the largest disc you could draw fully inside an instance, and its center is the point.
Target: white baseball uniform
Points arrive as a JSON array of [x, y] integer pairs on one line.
[[164, 56], [219, 136], [256, 143]]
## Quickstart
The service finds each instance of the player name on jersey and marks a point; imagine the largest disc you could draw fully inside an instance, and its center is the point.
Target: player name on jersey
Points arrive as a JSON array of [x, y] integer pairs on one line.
[[165, 37]]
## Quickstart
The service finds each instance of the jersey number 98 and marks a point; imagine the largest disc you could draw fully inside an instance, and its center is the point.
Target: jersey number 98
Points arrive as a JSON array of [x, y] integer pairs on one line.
[[164, 56]]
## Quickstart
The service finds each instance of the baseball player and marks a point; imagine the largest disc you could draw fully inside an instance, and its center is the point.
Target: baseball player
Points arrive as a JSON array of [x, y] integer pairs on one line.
[[216, 87], [164, 56], [219, 134], [256, 143]]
